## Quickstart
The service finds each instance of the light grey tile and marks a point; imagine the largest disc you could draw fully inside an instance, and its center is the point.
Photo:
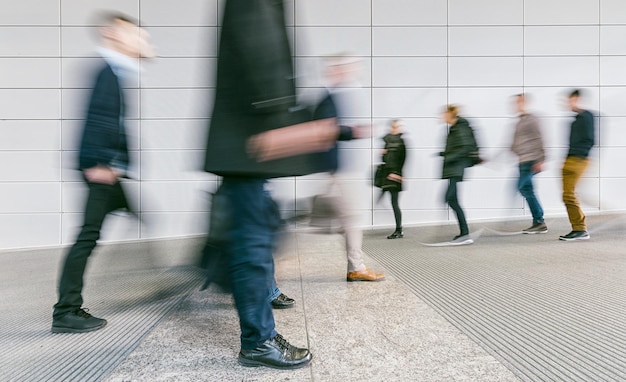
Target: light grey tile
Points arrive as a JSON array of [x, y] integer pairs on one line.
[[30, 198], [405, 103], [174, 134], [490, 71], [612, 102], [179, 196], [410, 72], [323, 41], [184, 41], [172, 224], [612, 12], [483, 102], [79, 41], [25, 41], [409, 41], [30, 166], [29, 230], [30, 103], [187, 13], [179, 73], [176, 103], [612, 132], [29, 12], [329, 12], [486, 41], [613, 70], [561, 71], [79, 12], [169, 165], [612, 193], [612, 39], [30, 135], [486, 12], [409, 12], [561, 40], [559, 12]]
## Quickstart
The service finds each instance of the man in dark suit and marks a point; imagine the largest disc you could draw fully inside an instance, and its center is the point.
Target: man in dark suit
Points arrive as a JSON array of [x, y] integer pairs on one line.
[[103, 159], [257, 132]]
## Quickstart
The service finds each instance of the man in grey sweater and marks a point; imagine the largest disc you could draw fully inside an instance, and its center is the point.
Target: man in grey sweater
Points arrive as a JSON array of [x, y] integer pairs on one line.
[[528, 146]]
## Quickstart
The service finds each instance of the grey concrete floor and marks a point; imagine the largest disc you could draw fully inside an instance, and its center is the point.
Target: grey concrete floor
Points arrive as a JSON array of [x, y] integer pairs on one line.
[[411, 327]]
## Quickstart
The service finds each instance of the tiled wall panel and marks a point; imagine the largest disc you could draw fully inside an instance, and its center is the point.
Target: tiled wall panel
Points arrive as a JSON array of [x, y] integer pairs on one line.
[[416, 56]]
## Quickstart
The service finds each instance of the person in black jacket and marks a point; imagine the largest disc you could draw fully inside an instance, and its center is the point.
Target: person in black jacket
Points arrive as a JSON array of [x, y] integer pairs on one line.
[[581, 140], [394, 156], [456, 157], [258, 131], [103, 160]]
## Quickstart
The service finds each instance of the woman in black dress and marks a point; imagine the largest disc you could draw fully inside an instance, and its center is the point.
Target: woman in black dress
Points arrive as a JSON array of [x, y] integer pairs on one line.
[[394, 155]]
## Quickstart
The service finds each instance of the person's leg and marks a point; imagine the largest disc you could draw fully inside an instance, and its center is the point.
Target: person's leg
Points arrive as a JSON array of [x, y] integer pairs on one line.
[[73, 269], [397, 214], [251, 264], [453, 202], [525, 187], [573, 169]]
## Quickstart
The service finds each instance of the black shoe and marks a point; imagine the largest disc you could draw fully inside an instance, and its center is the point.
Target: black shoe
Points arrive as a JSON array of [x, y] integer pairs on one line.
[[396, 235], [276, 353], [78, 321], [283, 302], [462, 239], [575, 235]]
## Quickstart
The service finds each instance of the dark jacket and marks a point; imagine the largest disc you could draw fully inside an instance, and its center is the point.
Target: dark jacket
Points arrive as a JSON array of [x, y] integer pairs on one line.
[[255, 91], [459, 144], [394, 159], [582, 135], [104, 136]]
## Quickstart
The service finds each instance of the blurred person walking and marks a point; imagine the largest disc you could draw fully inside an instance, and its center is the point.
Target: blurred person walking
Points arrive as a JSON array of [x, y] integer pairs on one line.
[[258, 131], [528, 146], [460, 143], [581, 140], [340, 70], [394, 156], [103, 160]]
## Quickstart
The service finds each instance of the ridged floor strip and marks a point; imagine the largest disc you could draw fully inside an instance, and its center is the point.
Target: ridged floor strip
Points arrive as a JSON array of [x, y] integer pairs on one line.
[[126, 290], [548, 310]]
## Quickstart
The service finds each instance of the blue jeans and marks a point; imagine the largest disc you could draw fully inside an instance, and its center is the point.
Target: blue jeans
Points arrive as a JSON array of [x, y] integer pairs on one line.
[[525, 187], [250, 261]]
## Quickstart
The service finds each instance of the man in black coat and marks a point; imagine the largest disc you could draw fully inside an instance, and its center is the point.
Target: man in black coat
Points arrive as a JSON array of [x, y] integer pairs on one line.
[[257, 132], [103, 159]]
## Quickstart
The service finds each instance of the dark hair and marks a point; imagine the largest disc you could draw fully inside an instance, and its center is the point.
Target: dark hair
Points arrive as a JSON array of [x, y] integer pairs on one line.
[[575, 93]]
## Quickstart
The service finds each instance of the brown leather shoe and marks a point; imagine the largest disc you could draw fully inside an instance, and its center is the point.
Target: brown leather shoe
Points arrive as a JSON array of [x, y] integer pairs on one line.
[[365, 275]]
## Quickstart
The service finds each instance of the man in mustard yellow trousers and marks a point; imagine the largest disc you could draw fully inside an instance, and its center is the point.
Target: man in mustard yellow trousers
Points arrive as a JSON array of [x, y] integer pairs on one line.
[[582, 138]]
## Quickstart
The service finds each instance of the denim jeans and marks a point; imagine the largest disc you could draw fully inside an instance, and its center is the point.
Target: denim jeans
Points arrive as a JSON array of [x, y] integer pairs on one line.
[[250, 261], [525, 187]]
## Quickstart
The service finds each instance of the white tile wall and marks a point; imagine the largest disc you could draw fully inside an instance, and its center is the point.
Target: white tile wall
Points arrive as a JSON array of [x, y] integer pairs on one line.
[[416, 56], [486, 12]]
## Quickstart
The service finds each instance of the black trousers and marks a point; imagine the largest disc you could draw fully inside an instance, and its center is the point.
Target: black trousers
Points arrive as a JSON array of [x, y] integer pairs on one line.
[[101, 200], [453, 201], [397, 214]]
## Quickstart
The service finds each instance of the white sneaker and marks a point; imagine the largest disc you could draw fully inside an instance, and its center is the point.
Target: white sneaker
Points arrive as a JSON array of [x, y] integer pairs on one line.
[[462, 240]]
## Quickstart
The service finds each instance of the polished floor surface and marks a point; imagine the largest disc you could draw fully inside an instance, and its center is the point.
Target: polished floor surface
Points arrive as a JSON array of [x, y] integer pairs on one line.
[[506, 308]]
